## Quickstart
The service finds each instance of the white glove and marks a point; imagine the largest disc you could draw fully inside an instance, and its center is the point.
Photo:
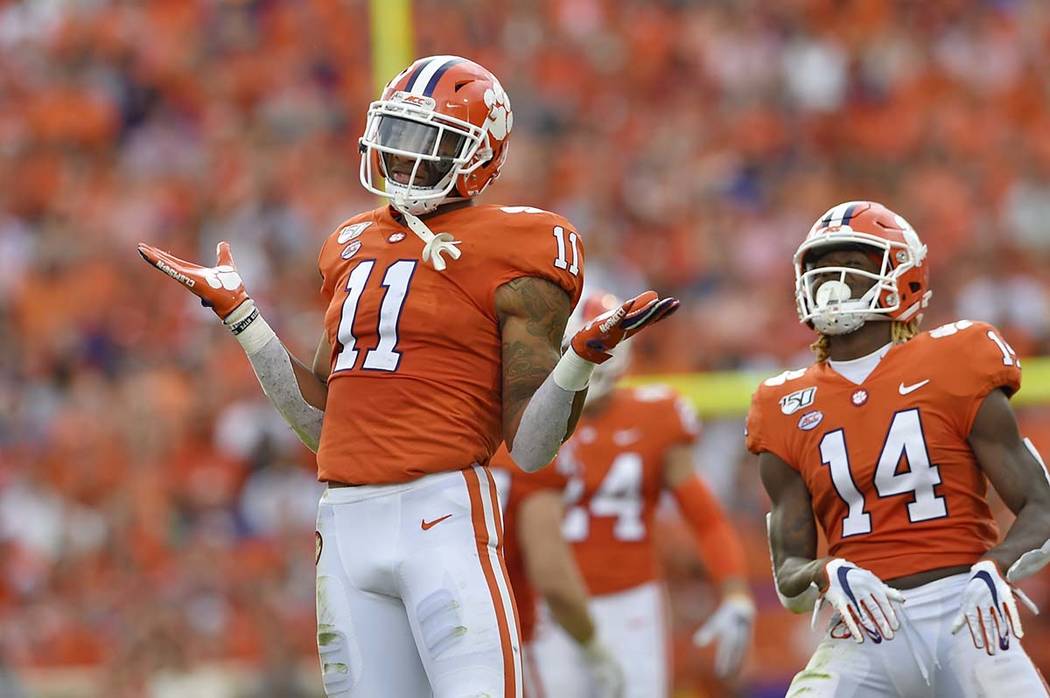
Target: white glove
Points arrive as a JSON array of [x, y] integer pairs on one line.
[[1029, 563], [606, 673], [731, 625], [989, 609], [863, 600]]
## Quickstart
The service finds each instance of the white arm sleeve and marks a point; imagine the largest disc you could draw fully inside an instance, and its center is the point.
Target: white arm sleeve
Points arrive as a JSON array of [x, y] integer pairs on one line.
[[546, 417], [273, 368]]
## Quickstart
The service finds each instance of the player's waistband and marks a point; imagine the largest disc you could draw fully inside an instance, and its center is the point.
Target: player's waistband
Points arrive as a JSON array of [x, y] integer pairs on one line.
[[937, 589], [632, 593], [344, 493]]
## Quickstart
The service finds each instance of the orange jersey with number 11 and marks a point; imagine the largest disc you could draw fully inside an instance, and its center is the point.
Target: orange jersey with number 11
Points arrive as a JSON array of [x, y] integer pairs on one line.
[[416, 365], [892, 478]]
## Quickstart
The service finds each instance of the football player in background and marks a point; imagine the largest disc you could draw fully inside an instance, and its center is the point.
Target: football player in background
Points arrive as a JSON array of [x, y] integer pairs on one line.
[[428, 360], [632, 445], [541, 566], [888, 441]]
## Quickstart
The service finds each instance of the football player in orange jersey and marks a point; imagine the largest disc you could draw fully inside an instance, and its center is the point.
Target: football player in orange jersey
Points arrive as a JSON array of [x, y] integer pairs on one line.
[[631, 446], [541, 564], [428, 360], [888, 441]]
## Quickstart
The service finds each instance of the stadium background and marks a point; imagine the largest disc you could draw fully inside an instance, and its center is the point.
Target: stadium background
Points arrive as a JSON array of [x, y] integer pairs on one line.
[[156, 518]]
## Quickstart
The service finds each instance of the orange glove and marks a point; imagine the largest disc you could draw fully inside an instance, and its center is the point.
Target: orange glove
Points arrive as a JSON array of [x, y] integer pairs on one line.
[[219, 288], [599, 336]]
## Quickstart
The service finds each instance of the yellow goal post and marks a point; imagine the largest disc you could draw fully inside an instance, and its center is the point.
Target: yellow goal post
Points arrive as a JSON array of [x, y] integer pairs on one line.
[[392, 51], [728, 393]]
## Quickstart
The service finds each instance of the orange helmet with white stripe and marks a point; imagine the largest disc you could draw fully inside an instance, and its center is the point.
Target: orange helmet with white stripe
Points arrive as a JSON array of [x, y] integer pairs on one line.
[[439, 132], [899, 290]]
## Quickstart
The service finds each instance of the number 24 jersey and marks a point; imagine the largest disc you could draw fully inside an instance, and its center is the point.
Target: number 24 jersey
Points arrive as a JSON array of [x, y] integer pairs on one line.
[[893, 481], [416, 365]]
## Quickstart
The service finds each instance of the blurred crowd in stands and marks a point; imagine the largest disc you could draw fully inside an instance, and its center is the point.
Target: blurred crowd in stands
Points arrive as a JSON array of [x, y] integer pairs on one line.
[[156, 514]]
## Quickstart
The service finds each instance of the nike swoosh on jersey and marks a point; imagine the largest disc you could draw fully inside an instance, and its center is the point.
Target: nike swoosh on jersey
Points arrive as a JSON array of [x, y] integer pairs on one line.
[[905, 389], [427, 525]]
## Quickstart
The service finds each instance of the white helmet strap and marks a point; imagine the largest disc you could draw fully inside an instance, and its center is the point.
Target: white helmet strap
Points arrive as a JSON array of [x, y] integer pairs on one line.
[[434, 245]]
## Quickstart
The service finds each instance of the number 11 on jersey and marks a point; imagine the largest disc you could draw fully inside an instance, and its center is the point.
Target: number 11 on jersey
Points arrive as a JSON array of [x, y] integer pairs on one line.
[[561, 262], [384, 356]]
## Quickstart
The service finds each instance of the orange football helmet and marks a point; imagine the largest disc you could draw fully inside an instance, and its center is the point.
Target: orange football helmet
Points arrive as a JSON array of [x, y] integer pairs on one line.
[[439, 132], [899, 290]]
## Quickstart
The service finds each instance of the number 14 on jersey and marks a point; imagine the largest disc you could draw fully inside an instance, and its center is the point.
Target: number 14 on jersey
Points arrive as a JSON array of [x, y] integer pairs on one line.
[[904, 440]]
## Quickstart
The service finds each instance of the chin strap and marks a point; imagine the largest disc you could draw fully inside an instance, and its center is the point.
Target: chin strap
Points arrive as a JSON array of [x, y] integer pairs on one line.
[[434, 245]]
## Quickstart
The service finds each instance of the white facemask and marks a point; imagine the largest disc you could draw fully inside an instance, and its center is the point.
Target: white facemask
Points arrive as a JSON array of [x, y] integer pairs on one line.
[[407, 127], [829, 304]]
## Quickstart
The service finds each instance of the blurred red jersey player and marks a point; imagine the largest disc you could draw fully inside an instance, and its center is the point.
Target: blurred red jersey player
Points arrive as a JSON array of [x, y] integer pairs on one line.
[[542, 566], [432, 355]]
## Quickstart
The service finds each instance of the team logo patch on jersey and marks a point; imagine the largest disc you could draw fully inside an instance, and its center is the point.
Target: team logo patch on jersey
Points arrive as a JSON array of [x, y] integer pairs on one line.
[[810, 420], [318, 545], [790, 404], [351, 249], [396, 237], [859, 397], [352, 231]]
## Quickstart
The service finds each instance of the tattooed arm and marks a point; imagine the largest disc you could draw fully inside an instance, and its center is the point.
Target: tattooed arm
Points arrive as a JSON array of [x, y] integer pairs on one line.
[[792, 530], [532, 314]]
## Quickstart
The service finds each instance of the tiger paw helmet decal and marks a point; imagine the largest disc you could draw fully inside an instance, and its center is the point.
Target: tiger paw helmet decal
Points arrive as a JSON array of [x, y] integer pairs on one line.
[[501, 118]]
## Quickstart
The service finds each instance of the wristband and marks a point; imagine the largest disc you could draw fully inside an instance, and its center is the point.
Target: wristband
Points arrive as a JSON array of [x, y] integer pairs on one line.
[[572, 372], [249, 327], [241, 325]]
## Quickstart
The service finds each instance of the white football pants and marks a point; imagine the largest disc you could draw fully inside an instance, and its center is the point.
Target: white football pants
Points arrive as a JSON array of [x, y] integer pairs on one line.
[[412, 593], [841, 668], [632, 624]]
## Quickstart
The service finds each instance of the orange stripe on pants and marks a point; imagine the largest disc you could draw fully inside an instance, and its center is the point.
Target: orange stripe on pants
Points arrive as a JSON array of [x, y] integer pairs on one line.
[[494, 497], [481, 536]]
